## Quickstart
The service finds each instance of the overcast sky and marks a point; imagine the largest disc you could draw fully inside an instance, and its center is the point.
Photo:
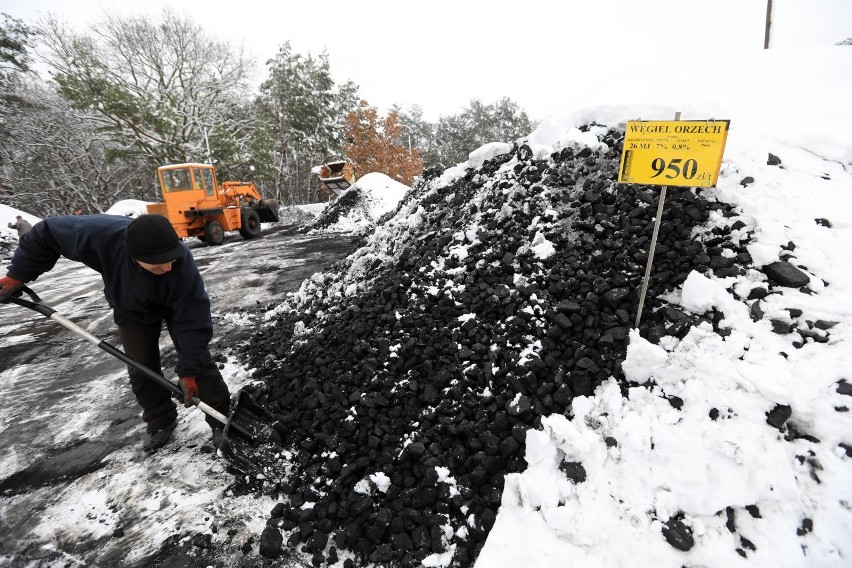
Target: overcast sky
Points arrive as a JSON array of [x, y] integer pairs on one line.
[[454, 51]]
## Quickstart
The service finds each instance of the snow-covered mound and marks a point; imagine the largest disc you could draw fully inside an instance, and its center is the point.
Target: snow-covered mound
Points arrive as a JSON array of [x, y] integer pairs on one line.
[[128, 208], [476, 354], [361, 206]]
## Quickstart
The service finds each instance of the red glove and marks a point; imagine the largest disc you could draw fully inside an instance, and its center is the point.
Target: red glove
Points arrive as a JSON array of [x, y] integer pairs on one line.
[[8, 286], [189, 389]]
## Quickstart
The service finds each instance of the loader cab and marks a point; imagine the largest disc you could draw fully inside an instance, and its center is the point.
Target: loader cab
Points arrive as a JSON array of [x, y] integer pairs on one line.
[[188, 183]]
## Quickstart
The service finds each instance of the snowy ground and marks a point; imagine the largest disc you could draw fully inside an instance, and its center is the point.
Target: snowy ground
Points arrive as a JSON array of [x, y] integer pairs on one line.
[[699, 462]]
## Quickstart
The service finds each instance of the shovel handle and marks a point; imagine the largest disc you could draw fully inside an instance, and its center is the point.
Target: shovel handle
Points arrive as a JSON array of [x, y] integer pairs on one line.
[[37, 305], [203, 406], [34, 304]]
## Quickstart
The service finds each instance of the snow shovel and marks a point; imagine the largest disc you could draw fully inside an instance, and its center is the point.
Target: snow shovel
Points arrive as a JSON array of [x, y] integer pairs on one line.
[[246, 425]]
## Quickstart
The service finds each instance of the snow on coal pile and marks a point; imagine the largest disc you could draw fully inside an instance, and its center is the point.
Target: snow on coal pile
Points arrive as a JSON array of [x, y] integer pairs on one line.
[[462, 373], [360, 207]]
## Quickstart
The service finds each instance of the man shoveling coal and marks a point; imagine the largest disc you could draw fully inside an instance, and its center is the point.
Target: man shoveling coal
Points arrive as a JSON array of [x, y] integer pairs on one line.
[[150, 278]]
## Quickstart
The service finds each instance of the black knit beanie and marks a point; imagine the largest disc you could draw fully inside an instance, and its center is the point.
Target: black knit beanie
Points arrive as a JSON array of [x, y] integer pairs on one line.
[[153, 240]]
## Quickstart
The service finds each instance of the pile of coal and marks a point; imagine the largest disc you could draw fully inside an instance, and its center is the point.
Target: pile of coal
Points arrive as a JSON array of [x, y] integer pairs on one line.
[[404, 381], [335, 211]]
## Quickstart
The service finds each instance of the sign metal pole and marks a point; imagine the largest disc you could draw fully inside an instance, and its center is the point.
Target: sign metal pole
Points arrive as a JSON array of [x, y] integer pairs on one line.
[[651, 251]]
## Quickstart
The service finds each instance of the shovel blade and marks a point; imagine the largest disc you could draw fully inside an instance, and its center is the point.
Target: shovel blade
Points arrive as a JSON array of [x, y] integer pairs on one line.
[[248, 437]]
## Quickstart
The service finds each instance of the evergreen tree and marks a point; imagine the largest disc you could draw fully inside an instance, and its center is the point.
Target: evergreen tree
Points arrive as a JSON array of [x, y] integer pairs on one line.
[[417, 133], [374, 145], [15, 40], [456, 136], [243, 146], [307, 116]]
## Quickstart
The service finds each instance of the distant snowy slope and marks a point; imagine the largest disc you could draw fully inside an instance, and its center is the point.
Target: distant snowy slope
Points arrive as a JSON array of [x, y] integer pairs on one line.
[[128, 208], [9, 237], [8, 214]]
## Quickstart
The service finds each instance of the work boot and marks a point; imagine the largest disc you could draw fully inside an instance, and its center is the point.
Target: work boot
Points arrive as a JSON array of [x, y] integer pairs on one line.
[[159, 438]]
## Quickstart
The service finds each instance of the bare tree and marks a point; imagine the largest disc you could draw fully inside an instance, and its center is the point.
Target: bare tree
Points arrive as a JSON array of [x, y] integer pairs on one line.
[[160, 87], [55, 161]]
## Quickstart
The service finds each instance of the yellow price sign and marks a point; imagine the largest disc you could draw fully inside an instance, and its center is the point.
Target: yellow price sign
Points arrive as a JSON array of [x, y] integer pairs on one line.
[[682, 153]]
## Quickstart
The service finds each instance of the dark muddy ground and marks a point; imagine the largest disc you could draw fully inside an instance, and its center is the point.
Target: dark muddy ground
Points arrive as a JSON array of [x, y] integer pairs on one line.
[[76, 489]]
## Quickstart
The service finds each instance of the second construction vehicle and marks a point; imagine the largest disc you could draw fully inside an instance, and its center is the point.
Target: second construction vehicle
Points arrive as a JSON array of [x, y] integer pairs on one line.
[[197, 206], [336, 174]]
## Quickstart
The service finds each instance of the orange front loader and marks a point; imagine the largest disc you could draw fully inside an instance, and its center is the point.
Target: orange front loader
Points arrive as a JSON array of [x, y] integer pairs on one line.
[[197, 206]]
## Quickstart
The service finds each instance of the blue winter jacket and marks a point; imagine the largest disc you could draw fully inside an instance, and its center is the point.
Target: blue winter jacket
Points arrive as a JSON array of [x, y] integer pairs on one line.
[[134, 293]]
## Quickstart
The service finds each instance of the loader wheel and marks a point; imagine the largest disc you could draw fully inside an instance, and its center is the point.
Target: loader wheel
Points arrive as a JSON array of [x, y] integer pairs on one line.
[[250, 226], [214, 234]]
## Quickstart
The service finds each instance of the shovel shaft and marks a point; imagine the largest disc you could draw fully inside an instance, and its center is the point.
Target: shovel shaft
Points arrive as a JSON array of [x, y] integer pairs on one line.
[[68, 324], [37, 305], [203, 406], [118, 354], [162, 381]]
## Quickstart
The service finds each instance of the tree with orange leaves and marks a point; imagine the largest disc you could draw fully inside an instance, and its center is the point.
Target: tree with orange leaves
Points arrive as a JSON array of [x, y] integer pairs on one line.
[[372, 145]]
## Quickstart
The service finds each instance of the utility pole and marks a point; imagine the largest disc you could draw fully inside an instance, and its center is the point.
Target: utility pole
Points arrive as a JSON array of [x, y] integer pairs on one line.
[[768, 24]]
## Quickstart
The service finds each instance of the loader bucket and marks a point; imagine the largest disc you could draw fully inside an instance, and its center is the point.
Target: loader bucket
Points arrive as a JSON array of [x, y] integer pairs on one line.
[[245, 449], [336, 185], [268, 211], [337, 175]]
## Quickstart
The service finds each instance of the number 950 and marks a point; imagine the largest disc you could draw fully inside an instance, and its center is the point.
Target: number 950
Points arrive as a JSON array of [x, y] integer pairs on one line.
[[673, 168]]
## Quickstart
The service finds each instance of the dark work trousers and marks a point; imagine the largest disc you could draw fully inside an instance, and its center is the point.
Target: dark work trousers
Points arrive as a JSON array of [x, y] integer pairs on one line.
[[141, 342]]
